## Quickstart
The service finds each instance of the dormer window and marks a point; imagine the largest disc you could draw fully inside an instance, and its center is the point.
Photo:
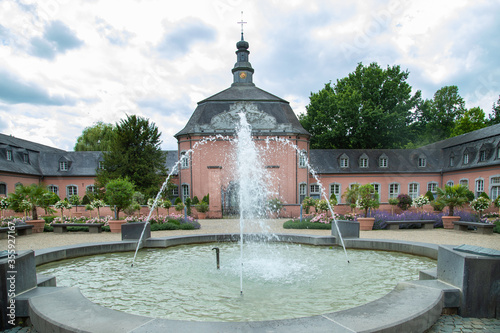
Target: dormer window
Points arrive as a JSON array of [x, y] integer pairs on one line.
[[466, 158], [383, 161], [363, 161], [344, 161], [26, 158], [9, 155], [63, 166], [101, 165], [422, 162], [482, 156], [452, 160]]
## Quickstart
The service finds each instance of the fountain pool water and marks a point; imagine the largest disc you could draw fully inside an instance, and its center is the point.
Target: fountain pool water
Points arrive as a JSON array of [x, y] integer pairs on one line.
[[281, 280]]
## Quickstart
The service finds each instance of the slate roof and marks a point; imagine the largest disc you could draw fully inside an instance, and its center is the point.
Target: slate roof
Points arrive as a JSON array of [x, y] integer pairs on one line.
[[201, 121], [327, 161]]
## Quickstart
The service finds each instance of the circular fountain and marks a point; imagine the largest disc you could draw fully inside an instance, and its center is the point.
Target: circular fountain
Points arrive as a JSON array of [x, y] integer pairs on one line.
[[271, 269]]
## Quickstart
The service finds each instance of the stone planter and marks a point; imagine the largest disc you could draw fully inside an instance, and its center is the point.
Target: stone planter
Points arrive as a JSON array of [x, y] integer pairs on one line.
[[448, 221], [116, 225], [38, 225], [202, 216], [366, 223]]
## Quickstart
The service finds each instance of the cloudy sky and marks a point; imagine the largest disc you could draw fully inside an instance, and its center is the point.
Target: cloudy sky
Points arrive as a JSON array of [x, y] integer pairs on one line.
[[67, 64]]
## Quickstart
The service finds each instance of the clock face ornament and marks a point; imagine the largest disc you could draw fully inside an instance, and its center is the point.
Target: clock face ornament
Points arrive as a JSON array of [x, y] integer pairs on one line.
[[243, 75]]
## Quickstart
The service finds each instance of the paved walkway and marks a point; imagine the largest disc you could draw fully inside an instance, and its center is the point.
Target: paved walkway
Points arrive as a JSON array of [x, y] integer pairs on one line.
[[452, 324], [446, 323]]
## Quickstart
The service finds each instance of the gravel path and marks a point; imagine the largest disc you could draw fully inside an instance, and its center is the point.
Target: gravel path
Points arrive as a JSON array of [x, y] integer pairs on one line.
[[435, 236]]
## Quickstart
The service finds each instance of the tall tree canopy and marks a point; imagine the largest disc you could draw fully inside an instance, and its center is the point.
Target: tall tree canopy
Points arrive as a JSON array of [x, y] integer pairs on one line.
[[370, 108], [472, 120], [95, 138], [494, 117], [135, 153]]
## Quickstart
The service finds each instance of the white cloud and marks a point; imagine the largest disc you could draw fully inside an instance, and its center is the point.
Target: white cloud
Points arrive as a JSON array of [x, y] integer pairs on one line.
[[158, 58]]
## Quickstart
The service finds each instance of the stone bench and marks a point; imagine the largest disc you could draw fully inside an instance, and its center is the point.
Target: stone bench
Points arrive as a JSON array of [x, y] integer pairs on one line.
[[21, 230], [426, 224], [60, 228], [482, 228]]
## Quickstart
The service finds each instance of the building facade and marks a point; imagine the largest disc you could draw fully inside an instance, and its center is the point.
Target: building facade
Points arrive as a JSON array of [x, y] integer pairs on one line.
[[205, 159]]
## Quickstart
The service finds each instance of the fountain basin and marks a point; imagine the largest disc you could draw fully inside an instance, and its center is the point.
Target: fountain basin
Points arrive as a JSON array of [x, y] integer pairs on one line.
[[412, 305], [281, 280]]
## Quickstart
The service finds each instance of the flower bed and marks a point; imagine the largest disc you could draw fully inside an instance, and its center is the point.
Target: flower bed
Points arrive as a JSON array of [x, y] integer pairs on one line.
[[167, 222]]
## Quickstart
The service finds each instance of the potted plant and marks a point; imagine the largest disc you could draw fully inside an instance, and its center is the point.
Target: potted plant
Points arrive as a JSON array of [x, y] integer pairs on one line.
[[29, 198], [98, 204], [496, 203], [404, 201], [393, 202], [167, 204], [421, 201], [307, 203], [74, 200], [202, 209], [480, 204], [274, 206], [118, 194], [351, 196], [367, 199], [62, 205], [451, 197]]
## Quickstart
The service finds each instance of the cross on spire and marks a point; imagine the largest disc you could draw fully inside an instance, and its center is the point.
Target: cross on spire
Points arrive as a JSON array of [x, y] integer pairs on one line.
[[241, 22]]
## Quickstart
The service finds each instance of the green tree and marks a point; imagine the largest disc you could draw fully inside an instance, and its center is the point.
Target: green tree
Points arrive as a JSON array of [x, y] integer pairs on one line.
[[370, 108], [135, 153], [31, 196], [119, 194], [473, 119], [95, 138], [494, 117]]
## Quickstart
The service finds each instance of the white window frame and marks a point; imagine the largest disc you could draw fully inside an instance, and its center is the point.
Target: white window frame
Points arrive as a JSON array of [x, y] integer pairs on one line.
[[63, 165], [494, 187], [336, 189], [315, 191], [479, 186], [69, 190], [100, 165], [422, 162], [302, 192], [482, 155], [302, 159], [392, 193], [185, 161], [413, 190], [378, 189], [9, 155], [450, 183], [466, 158], [344, 162], [90, 189], [363, 162], [53, 188], [185, 191], [383, 162], [432, 187], [175, 191], [26, 158], [464, 182], [452, 161]]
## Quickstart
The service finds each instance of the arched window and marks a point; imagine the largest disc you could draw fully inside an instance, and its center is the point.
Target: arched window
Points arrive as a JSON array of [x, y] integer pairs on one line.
[[302, 192], [71, 190], [393, 190], [413, 190]]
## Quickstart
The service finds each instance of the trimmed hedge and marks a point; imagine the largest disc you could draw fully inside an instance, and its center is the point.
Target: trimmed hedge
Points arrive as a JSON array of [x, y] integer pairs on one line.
[[305, 224]]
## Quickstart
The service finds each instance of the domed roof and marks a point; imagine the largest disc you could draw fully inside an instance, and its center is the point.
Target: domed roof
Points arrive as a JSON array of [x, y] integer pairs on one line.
[[266, 113]]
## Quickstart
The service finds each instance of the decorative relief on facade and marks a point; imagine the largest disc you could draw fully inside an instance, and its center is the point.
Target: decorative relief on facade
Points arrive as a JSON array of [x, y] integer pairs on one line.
[[258, 119]]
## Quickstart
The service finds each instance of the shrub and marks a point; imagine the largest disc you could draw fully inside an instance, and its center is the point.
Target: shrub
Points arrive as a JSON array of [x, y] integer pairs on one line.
[[404, 201], [429, 196], [306, 224]]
